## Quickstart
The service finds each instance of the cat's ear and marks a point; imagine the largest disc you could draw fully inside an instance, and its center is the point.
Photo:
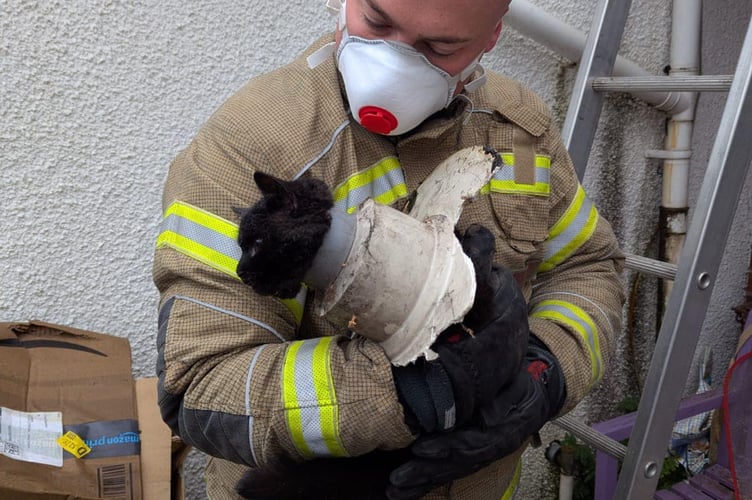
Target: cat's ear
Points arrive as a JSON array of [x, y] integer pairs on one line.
[[270, 185], [240, 212]]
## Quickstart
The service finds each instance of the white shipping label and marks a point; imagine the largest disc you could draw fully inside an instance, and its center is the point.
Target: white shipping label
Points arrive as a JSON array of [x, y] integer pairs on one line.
[[31, 437]]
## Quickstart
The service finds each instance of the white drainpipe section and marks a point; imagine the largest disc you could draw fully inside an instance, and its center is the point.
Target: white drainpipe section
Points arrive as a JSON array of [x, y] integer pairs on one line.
[[401, 279], [686, 25]]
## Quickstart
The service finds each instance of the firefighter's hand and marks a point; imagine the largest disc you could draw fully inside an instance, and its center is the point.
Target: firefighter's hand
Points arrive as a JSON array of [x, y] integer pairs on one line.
[[476, 358], [486, 351], [497, 429]]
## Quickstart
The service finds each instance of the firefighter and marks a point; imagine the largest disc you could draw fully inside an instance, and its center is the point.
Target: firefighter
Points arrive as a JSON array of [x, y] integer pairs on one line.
[[371, 110]]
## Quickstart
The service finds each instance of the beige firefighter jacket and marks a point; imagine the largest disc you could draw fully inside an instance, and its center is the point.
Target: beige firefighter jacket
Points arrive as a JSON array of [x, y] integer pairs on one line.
[[250, 379]]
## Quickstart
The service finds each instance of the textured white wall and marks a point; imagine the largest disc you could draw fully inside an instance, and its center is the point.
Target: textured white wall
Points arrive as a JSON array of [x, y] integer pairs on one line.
[[96, 98]]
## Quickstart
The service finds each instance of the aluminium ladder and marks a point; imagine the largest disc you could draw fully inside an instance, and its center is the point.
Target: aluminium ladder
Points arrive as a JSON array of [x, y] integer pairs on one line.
[[694, 276]]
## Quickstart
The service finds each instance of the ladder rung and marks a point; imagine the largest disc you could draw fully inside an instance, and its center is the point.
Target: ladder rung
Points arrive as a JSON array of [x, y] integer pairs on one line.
[[592, 437], [687, 83], [646, 265]]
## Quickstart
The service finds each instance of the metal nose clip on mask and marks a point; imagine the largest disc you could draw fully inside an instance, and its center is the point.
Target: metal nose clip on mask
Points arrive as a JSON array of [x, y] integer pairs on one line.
[[392, 87]]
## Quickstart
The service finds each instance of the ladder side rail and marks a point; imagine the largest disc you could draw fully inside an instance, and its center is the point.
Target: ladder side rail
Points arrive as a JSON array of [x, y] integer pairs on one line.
[[699, 263], [598, 57]]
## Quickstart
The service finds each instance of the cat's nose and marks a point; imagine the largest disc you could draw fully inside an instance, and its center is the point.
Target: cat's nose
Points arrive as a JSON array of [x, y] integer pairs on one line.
[[242, 272]]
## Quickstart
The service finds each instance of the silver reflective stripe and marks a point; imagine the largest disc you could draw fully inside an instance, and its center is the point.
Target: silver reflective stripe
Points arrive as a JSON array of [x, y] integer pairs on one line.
[[570, 315], [506, 173], [248, 401], [594, 305], [201, 235], [310, 399], [310, 410], [212, 239], [386, 186], [572, 231], [379, 186]]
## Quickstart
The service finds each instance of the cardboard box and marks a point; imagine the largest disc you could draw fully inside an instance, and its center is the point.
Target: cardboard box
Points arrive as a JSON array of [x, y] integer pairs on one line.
[[162, 454], [55, 379], [86, 378]]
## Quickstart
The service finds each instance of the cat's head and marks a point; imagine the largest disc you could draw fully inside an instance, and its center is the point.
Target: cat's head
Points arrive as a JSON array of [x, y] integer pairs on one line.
[[280, 234]]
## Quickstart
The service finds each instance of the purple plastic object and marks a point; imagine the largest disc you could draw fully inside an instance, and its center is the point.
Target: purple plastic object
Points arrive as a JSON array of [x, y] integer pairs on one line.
[[619, 428]]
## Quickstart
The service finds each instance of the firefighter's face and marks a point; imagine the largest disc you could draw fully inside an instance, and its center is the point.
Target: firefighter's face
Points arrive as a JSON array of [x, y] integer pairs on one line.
[[450, 33]]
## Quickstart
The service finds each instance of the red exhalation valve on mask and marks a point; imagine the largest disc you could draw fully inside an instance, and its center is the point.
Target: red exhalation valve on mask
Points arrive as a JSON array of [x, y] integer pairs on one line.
[[377, 119]]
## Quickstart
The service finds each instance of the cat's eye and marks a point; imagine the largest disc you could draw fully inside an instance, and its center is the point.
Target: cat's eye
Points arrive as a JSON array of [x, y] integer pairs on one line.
[[255, 247]]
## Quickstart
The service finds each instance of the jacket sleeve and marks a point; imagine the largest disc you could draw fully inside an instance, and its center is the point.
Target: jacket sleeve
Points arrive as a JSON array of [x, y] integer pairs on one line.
[[237, 379], [577, 295]]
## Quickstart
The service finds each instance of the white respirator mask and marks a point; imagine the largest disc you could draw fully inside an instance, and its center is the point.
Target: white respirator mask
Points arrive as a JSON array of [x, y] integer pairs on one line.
[[391, 87]]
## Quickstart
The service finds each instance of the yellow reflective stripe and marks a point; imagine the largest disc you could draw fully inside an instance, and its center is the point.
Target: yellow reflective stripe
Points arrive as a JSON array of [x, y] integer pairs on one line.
[[290, 398], [389, 197], [199, 252], [212, 240], [201, 235], [204, 218], [297, 304], [362, 179], [568, 314], [326, 397], [570, 232], [383, 181], [503, 179], [512, 488], [310, 400]]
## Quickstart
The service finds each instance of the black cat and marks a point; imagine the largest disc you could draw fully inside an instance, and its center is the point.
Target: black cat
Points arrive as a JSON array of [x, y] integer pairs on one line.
[[280, 235]]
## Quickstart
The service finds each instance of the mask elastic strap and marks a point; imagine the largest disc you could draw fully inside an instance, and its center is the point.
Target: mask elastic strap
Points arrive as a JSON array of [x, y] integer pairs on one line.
[[320, 55], [337, 9], [333, 6], [469, 111], [478, 82]]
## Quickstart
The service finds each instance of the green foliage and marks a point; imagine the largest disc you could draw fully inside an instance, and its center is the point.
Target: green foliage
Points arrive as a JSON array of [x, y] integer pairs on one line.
[[628, 404], [673, 472], [584, 459]]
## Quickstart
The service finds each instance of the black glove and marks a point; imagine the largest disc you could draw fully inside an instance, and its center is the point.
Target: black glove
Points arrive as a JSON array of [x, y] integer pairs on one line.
[[477, 358], [497, 429]]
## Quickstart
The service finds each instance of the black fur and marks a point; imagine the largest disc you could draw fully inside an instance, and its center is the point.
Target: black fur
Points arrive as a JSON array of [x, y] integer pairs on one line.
[[280, 235]]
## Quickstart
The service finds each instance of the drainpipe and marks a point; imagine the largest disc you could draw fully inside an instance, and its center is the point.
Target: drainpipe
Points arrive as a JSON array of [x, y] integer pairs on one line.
[[401, 279], [537, 24], [684, 60], [562, 455]]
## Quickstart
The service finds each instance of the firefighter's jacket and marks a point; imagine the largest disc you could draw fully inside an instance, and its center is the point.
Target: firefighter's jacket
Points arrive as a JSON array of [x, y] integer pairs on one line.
[[250, 379]]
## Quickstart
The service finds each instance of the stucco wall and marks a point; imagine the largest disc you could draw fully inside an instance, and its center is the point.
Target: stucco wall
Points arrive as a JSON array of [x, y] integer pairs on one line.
[[96, 98]]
